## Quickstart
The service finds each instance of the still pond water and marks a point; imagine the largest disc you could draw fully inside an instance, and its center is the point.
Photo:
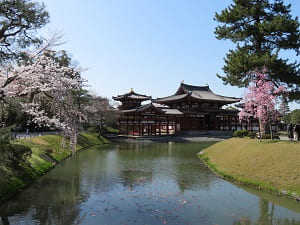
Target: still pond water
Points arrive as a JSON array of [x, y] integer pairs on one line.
[[157, 183]]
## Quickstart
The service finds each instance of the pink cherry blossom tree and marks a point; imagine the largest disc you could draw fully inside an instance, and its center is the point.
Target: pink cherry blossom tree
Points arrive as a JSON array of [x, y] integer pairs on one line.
[[260, 100]]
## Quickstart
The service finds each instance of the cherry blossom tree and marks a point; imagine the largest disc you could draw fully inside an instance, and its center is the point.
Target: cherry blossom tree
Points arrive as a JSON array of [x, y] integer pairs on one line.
[[100, 113], [260, 100], [44, 81]]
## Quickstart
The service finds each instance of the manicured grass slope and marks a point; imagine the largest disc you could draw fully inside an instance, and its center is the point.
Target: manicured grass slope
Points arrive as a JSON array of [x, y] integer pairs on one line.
[[272, 165], [38, 165]]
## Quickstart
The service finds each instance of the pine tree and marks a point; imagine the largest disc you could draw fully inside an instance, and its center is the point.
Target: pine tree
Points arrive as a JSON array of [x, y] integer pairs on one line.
[[19, 21], [284, 110], [260, 29]]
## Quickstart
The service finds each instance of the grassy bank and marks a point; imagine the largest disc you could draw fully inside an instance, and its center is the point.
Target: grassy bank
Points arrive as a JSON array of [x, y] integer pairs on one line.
[[269, 165], [46, 153]]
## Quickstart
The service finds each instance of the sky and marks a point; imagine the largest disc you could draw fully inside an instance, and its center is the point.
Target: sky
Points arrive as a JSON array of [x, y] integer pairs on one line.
[[148, 45]]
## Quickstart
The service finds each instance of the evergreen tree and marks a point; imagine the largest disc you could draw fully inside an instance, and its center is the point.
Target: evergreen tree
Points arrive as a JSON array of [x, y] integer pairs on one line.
[[260, 29], [19, 20], [295, 116], [284, 110]]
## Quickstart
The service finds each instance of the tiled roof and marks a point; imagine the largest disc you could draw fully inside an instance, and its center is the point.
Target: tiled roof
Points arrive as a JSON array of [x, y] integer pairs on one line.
[[132, 95], [202, 93], [170, 98], [171, 111], [159, 108]]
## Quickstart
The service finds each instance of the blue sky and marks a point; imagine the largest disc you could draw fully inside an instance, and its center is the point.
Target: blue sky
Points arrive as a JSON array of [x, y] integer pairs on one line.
[[147, 45]]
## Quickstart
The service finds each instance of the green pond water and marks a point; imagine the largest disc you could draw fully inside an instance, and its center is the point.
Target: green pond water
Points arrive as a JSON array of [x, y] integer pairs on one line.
[[144, 183]]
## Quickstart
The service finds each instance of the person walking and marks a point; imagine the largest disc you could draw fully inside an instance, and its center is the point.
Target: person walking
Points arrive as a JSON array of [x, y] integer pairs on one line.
[[291, 132], [297, 132]]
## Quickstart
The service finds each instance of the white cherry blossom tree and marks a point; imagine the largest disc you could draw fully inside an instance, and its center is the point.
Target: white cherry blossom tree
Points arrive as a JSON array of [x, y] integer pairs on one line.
[[44, 81]]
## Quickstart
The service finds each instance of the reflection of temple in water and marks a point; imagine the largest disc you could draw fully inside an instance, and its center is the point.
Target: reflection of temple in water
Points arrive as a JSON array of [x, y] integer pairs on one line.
[[135, 177]]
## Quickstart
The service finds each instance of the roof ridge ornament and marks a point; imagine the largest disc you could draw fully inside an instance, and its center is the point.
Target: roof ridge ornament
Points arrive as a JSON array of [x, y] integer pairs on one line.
[[131, 90]]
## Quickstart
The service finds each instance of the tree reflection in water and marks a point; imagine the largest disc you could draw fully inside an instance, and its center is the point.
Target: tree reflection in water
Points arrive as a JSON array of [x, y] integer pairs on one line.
[[143, 183], [47, 204], [266, 216]]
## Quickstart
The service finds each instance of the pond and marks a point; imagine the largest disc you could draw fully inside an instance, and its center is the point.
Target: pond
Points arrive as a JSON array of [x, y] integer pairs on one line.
[[143, 183]]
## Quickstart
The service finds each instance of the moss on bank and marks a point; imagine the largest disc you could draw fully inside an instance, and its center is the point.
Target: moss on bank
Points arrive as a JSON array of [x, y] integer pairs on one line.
[[269, 165], [46, 152]]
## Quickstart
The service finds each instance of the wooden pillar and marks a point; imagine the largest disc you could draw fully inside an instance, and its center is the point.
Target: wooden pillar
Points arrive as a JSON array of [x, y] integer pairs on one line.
[[175, 127], [159, 128], [222, 123], [227, 123], [139, 124], [167, 127], [133, 126], [147, 129]]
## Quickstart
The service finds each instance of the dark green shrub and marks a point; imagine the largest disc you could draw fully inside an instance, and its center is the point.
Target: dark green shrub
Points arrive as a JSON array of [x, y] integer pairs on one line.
[[92, 130], [5, 135], [252, 135], [110, 130], [11, 155], [240, 133], [268, 136], [48, 151]]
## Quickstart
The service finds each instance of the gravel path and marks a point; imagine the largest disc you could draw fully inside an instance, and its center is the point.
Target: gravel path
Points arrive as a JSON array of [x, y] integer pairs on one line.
[[181, 138]]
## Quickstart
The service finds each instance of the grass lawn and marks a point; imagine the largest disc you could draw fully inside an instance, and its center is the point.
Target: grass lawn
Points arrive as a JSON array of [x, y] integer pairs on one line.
[[46, 151], [271, 165], [40, 145]]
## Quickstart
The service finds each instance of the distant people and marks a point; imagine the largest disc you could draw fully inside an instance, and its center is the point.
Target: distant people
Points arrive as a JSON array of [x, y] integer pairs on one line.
[[15, 132], [297, 132], [27, 131], [291, 132]]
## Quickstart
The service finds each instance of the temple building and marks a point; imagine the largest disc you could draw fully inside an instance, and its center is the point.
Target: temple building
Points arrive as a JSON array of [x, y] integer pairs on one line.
[[191, 108]]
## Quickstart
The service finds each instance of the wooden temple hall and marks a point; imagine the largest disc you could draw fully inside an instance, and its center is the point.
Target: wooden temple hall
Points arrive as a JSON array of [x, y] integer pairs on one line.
[[191, 108]]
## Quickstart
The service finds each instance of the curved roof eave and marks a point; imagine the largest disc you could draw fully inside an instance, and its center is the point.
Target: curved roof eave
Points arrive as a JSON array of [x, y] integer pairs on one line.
[[132, 95], [170, 98]]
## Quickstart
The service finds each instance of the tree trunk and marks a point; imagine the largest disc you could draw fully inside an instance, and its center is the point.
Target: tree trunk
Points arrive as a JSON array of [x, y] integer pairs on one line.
[[63, 142], [271, 130], [262, 127], [73, 138], [74, 143]]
